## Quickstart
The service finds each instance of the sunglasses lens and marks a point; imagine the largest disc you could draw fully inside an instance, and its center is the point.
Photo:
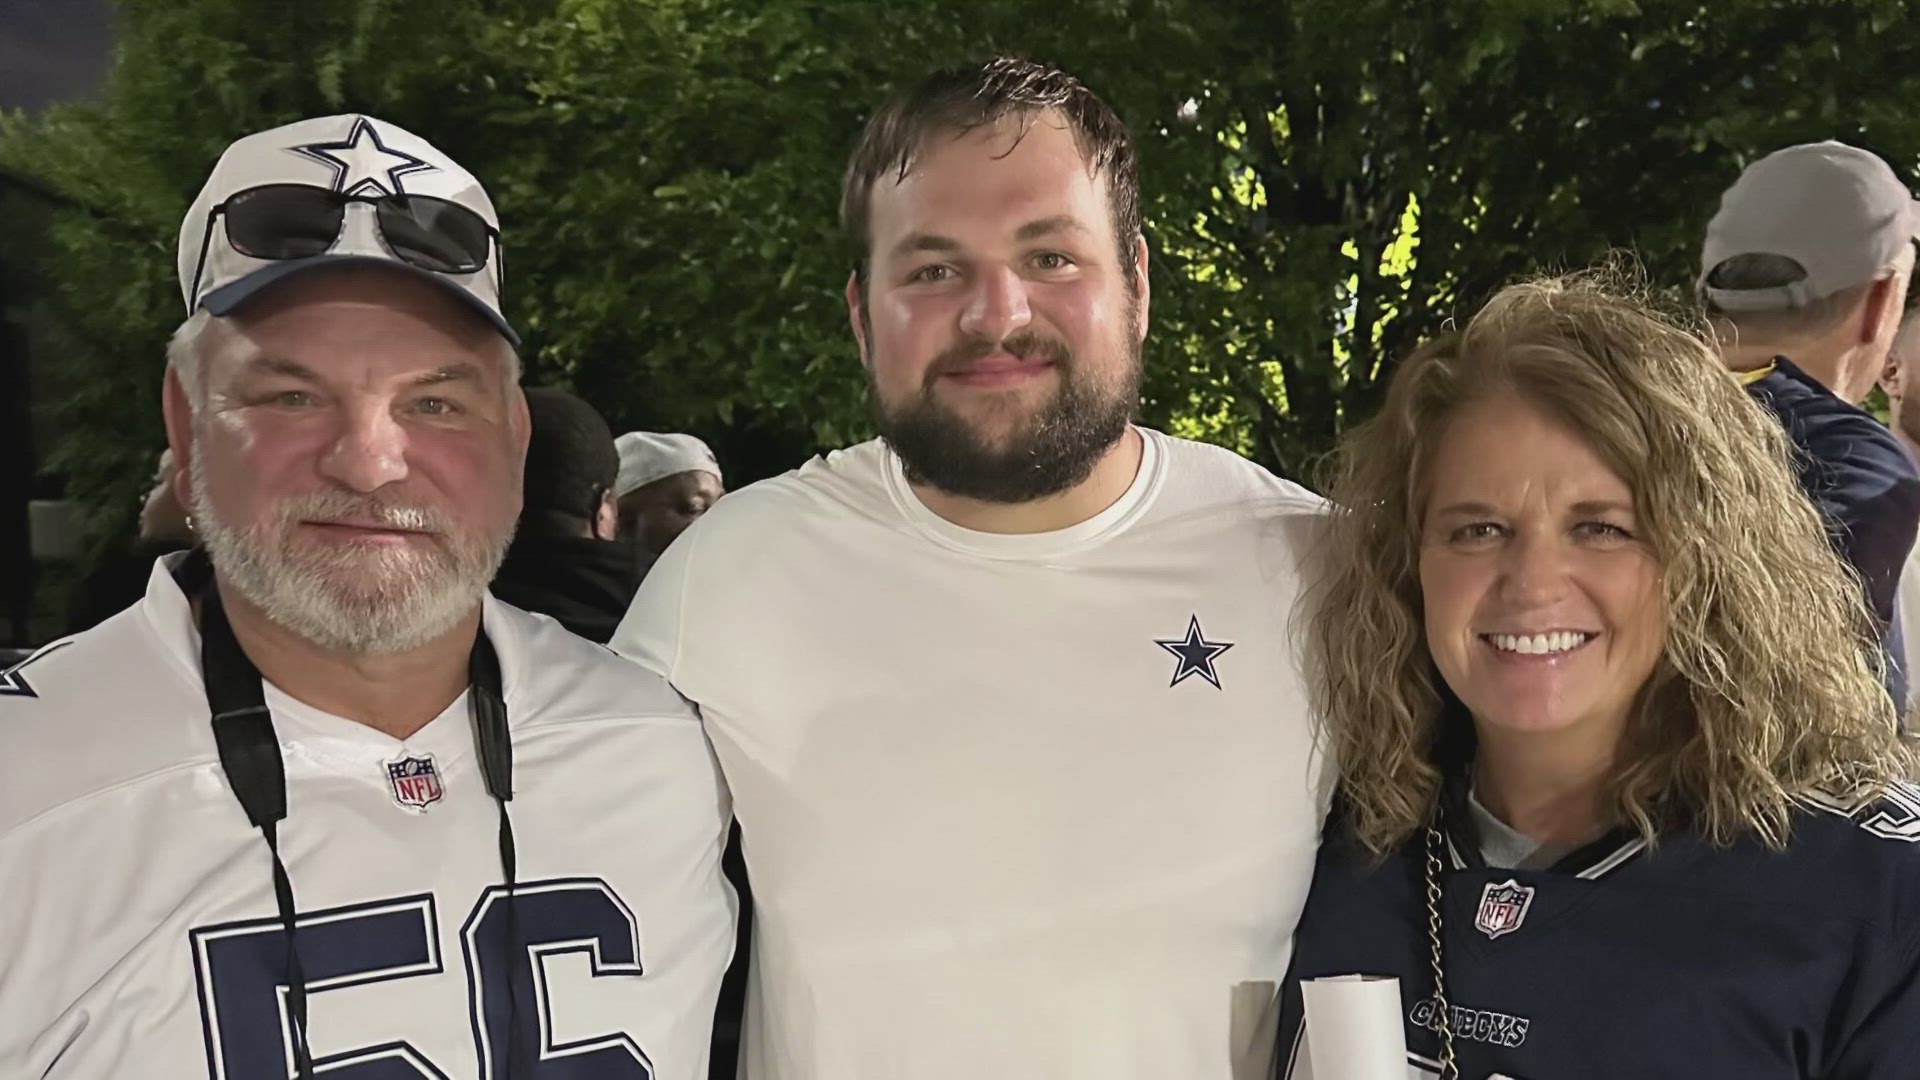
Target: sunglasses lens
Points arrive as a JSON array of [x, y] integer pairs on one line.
[[284, 221], [434, 234]]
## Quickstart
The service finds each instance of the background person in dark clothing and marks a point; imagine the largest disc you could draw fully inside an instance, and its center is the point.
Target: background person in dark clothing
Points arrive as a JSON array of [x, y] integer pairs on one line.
[[118, 578], [1804, 274], [565, 561]]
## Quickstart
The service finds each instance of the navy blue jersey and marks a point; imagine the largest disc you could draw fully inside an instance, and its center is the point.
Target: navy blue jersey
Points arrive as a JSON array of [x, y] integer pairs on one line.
[[1679, 960], [1864, 484]]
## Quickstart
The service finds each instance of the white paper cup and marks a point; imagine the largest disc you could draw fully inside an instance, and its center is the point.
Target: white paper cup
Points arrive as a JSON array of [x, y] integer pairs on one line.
[[1354, 1031]]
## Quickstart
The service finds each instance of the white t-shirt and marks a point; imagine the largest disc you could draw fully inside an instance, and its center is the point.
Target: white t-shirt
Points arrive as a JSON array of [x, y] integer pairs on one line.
[[1013, 806], [140, 934]]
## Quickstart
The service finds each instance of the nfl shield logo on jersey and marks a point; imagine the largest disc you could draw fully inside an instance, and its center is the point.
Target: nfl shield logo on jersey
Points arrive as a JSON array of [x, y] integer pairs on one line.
[[1503, 907], [415, 781]]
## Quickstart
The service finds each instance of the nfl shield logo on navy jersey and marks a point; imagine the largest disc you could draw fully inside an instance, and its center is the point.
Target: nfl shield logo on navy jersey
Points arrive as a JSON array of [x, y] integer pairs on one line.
[[415, 781], [1503, 907]]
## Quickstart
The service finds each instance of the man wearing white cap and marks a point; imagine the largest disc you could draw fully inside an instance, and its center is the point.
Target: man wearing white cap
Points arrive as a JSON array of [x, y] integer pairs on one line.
[[1804, 273], [665, 482], [317, 804]]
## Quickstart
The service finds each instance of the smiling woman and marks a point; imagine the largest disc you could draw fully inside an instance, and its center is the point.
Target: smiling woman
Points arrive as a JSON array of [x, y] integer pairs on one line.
[[1604, 700], [1573, 462], [1541, 604]]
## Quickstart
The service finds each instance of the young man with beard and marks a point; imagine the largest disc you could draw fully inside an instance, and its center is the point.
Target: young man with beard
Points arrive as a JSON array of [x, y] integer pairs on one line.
[[316, 804], [1006, 699]]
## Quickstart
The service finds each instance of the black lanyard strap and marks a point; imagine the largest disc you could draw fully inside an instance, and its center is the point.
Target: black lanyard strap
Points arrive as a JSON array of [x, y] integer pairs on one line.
[[242, 726], [490, 736], [495, 749], [250, 757]]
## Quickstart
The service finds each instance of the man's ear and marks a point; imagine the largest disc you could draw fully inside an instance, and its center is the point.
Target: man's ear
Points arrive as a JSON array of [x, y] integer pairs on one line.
[[177, 410], [606, 520], [1881, 309], [522, 420], [857, 316], [1140, 276]]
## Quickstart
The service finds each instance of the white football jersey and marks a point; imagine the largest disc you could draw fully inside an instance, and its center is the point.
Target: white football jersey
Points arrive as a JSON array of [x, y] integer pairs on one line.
[[141, 937], [1013, 806]]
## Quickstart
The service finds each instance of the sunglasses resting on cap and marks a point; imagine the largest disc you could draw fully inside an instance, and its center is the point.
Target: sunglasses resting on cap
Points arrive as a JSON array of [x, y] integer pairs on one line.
[[338, 189]]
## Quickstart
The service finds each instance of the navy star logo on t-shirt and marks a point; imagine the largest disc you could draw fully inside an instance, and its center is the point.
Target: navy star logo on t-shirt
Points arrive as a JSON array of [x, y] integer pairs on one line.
[[1195, 653]]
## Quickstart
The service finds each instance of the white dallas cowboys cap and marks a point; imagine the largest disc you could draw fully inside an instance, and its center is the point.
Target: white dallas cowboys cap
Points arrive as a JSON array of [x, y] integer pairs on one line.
[[646, 456], [355, 156]]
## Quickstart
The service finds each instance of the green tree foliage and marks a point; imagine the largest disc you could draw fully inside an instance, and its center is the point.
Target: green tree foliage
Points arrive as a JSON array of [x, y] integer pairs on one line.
[[1327, 181]]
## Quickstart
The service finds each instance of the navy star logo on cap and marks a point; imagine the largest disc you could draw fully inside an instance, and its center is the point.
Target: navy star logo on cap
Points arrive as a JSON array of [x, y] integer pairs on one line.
[[361, 160], [1195, 653]]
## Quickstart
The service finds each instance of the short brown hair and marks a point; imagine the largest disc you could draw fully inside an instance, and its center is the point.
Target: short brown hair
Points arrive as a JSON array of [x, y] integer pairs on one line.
[[959, 99]]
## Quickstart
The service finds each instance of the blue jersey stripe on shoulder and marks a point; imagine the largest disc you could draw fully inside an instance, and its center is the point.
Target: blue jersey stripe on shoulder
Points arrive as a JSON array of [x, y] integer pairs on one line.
[[14, 684], [1895, 815]]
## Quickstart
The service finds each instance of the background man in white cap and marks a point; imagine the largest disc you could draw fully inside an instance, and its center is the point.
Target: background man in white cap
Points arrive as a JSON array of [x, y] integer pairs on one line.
[[1805, 273], [665, 482], [1007, 699], [317, 803]]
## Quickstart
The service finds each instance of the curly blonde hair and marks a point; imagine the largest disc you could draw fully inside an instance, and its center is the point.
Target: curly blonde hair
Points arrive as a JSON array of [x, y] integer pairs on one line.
[[1769, 685]]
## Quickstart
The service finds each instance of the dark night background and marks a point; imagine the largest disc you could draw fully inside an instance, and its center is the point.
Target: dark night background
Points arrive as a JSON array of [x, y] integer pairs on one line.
[[52, 50], [1326, 183]]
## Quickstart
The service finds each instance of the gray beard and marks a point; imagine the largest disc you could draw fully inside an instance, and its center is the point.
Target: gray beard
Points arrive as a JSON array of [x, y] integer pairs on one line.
[[361, 603]]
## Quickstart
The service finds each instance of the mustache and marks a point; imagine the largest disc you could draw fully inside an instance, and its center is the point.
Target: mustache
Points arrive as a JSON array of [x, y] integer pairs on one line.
[[1023, 345], [341, 506]]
